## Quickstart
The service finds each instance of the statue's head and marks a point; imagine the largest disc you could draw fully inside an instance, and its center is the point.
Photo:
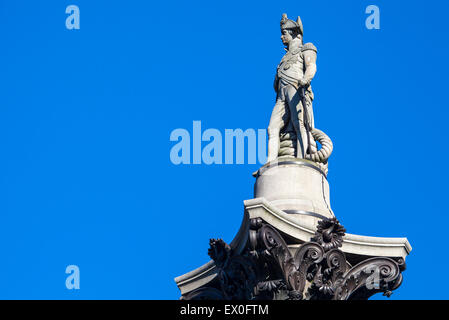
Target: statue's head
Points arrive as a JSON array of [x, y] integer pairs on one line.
[[290, 29]]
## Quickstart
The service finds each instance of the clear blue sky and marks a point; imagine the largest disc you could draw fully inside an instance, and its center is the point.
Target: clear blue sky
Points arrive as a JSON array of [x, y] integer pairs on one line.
[[86, 116]]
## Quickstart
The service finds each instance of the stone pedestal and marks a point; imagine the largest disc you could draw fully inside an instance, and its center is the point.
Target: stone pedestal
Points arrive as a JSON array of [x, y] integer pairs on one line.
[[297, 187], [289, 227]]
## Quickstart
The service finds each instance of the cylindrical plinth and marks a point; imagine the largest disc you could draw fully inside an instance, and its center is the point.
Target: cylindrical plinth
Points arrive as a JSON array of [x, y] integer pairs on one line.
[[297, 187]]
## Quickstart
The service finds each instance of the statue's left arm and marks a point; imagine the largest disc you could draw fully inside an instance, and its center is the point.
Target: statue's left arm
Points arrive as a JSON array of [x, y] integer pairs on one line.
[[310, 56]]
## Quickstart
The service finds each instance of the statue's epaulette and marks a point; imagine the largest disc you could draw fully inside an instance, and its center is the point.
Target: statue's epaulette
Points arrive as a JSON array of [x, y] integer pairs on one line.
[[309, 46]]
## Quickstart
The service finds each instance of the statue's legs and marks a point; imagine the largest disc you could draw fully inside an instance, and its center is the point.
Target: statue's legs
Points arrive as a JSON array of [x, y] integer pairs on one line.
[[289, 105], [279, 118], [312, 148], [293, 98]]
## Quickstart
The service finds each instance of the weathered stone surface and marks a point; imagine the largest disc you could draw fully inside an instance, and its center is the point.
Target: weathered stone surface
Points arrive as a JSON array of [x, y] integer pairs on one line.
[[297, 187]]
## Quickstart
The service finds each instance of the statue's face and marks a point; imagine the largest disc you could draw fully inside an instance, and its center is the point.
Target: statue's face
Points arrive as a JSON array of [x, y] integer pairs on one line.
[[286, 37]]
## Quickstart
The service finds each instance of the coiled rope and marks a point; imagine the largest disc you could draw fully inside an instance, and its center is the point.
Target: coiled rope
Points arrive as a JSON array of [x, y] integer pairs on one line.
[[326, 149]]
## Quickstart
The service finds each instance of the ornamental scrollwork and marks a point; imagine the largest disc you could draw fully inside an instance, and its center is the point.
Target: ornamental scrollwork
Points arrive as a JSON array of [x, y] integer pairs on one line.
[[269, 269]]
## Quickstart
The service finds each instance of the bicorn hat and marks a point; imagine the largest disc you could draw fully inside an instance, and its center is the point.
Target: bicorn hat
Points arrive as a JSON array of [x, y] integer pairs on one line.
[[287, 24]]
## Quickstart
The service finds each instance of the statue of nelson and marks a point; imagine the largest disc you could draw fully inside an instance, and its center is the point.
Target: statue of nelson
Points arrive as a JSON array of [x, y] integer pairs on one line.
[[293, 107]]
